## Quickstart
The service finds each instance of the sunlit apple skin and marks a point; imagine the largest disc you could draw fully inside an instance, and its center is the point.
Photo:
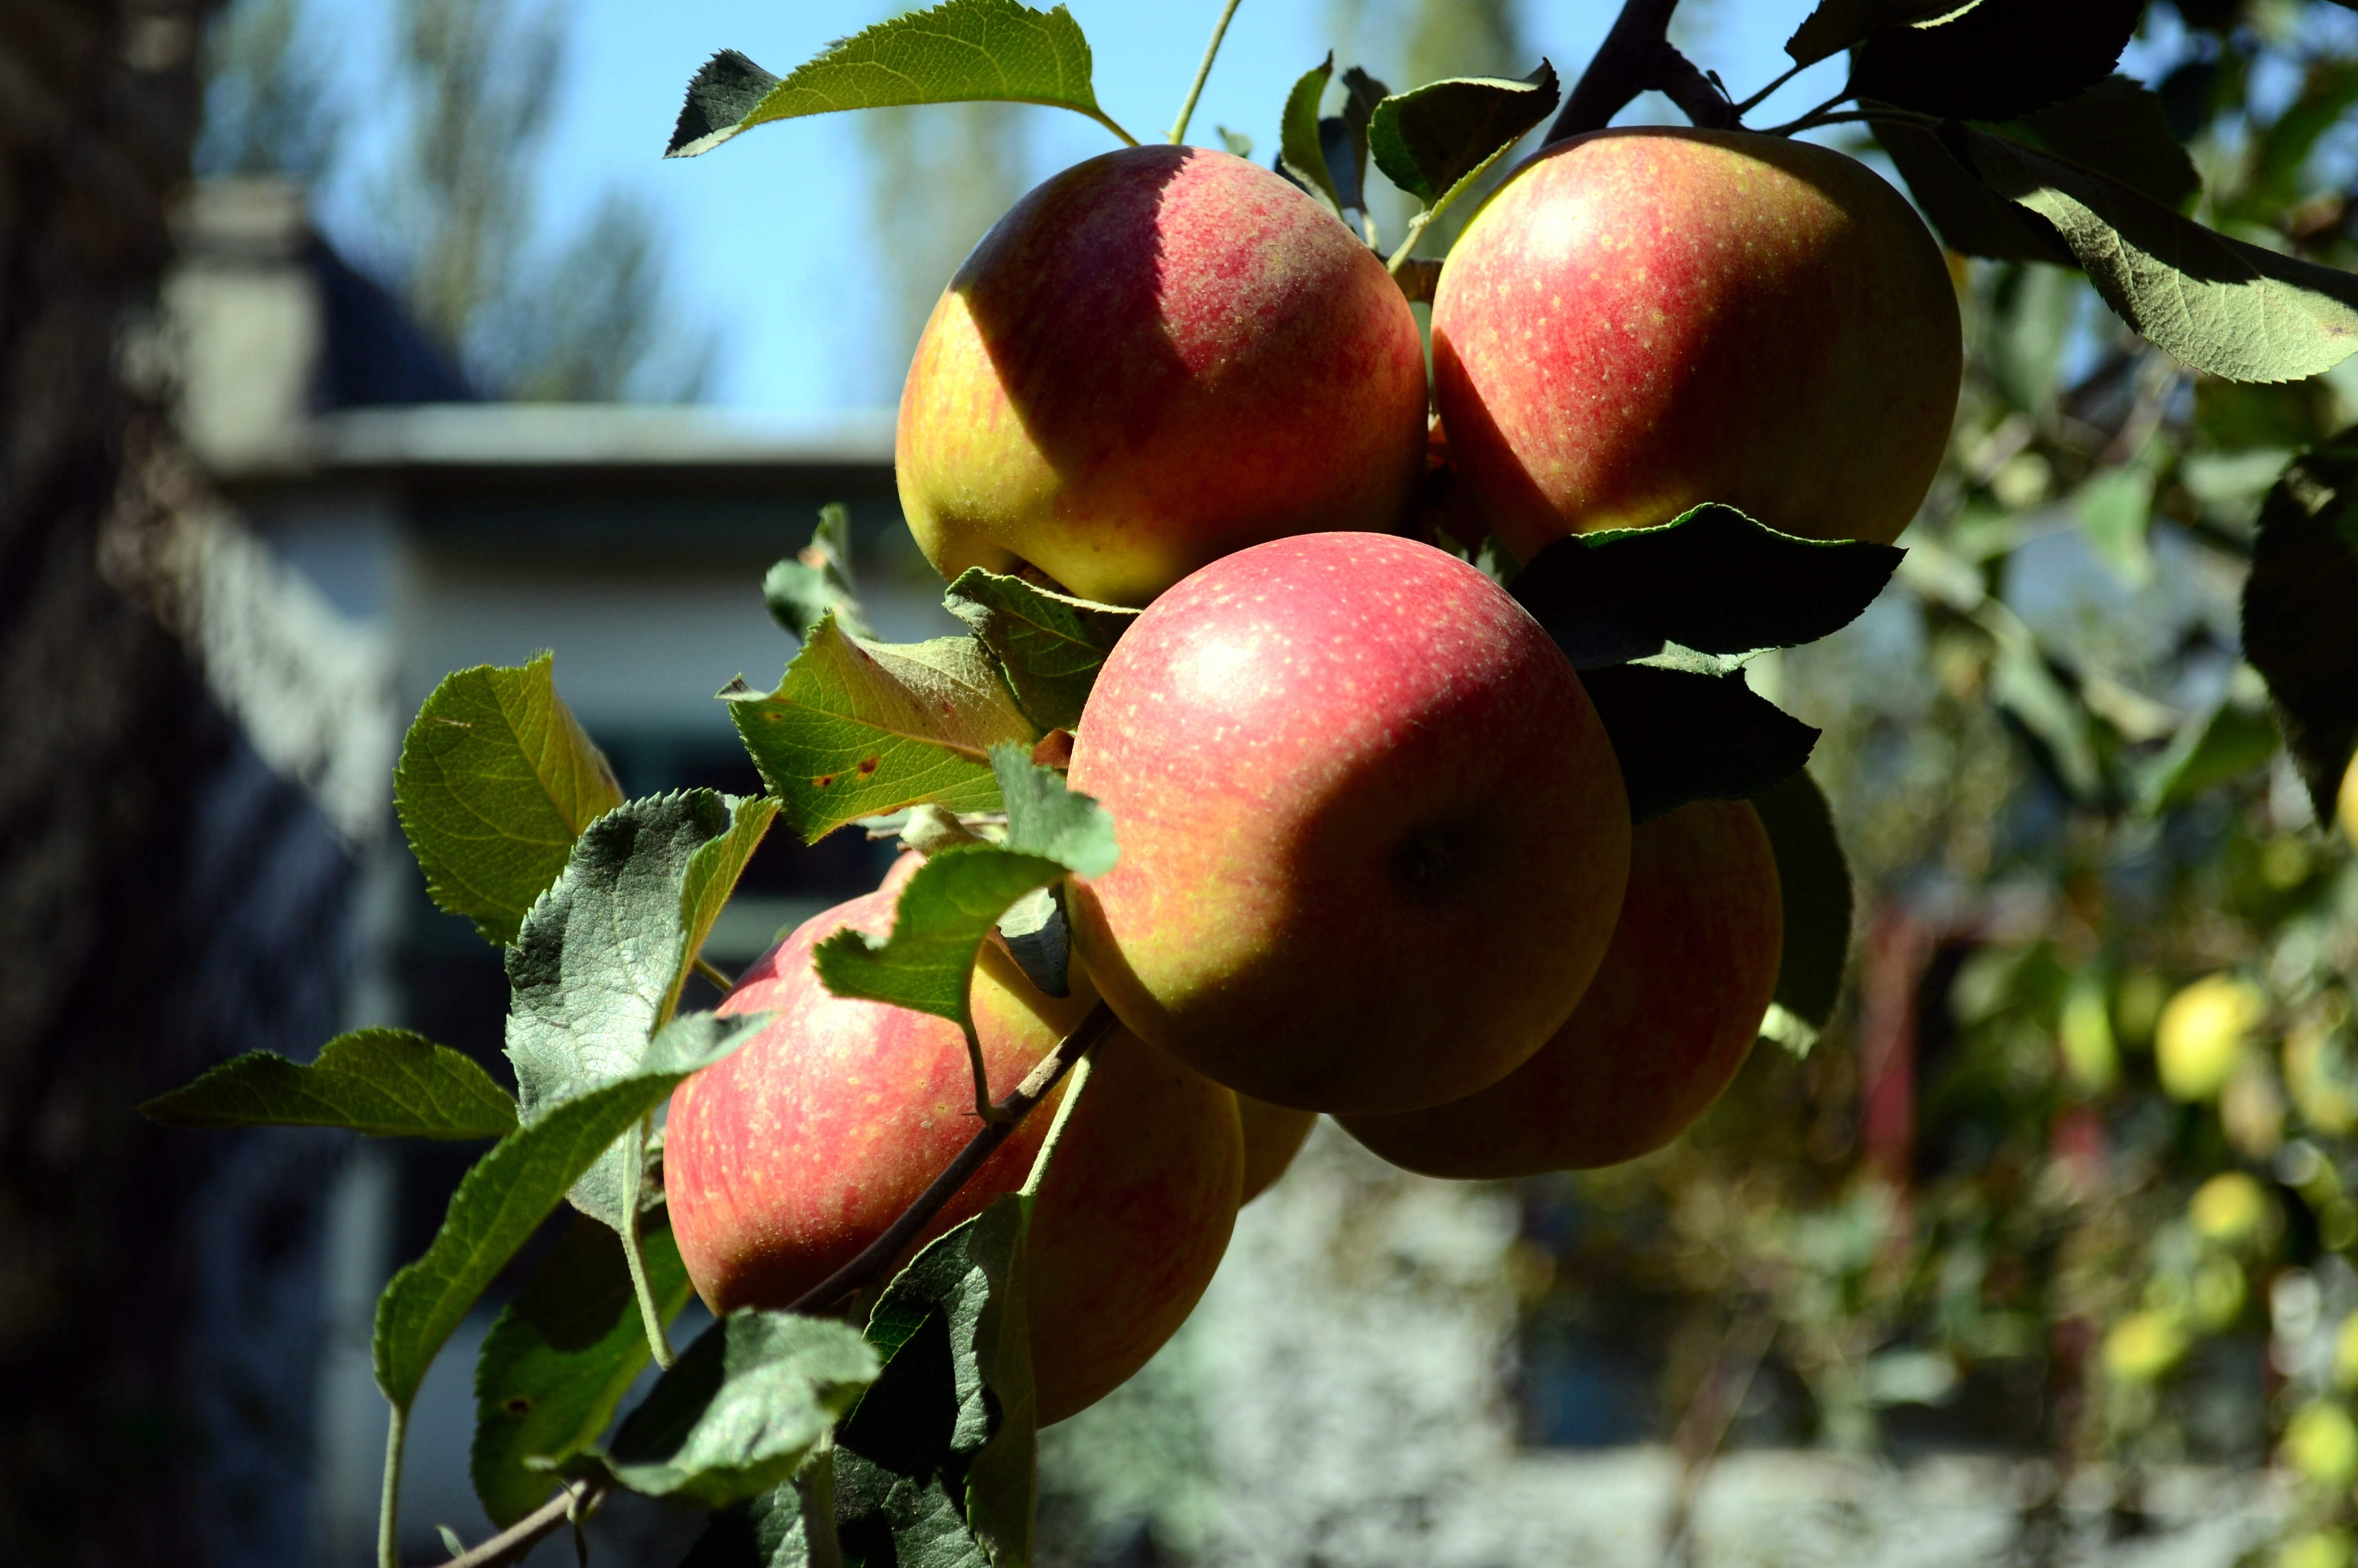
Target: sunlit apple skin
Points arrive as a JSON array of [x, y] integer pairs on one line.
[[1159, 356], [1645, 320], [1666, 1023], [1274, 1136], [1372, 835], [787, 1160]]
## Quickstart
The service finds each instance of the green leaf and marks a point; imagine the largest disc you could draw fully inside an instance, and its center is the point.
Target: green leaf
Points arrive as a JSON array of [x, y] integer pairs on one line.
[[1712, 580], [742, 1409], [599, 966], [1969, 216], [2215, 303], [791, 1526], [560, 1358], [2232, 741], [940, 1453], [1815, 879], [1049, 646], [1681, 736], [387, 1083], [503, 1200], [2118, 129], [1430, 141], [1300, 152], [805, 587], [949, 907], [1996, 59], [861, 730], [2297, 605], [960, 52], [495, 781]]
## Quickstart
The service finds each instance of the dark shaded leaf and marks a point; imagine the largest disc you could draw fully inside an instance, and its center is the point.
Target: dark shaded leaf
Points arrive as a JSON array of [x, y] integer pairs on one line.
[[742, 1408], [2217, 304], [1814, 879], [503, 1200], [2116, 128], [1430, 140], [1836, 25], [387, 1083], [816, 582], [1040, 941], [560, 1358], [1712, 580], [1997, 61], [1049, 646], [495, 781], [1968, 215], [2298, 630], [960, 52], [1301, 156], [791, 1526], [1682, 737]]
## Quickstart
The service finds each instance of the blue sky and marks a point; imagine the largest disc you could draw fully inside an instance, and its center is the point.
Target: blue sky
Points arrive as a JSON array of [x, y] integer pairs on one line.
[[768, 232]]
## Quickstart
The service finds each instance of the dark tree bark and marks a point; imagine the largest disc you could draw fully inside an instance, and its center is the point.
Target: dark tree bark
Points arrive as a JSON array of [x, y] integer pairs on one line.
[[102, 724]]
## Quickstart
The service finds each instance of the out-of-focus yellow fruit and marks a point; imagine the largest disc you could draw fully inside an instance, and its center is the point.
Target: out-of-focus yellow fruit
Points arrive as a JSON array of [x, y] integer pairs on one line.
[[2324, 1097], [2201, 1034], [2218, 1292], [2228, 1209], [2086, 1034], [2321, 1443], [2315, 1549], [2349, 800], [2141, 1347], [2345, 1353]]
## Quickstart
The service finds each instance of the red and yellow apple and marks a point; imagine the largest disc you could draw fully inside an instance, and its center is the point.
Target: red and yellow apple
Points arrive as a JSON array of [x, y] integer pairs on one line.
[[1670, 1018], [1645, 320], [782, 1163], [1373, 837], [1161, 355]]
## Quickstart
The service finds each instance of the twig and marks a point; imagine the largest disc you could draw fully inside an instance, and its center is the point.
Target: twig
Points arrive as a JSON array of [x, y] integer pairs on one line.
[[1627, 65], [1203, 71], [881, 1252], [1697, 96], [1758, 98], [511, 1543]]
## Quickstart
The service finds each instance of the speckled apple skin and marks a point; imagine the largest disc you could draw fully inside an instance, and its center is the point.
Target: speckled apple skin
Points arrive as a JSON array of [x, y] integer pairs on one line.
[[1372, 834], [785, 1160], [1667, 1023], [1159, 356], [1642, 320]]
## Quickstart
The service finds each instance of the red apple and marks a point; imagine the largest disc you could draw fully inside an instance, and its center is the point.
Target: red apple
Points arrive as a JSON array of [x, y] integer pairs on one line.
[[1274, 1136], [1666, 1023], [1158, 357], [1642, 320], [787, 1160], [1373, 837]]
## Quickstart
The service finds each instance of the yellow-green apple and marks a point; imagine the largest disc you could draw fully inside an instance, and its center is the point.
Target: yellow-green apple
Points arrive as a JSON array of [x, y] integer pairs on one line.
[[1373, 837], [1666, 1023], [784, 1162], [1159, 356], [1274, 1136], [1645, 320]]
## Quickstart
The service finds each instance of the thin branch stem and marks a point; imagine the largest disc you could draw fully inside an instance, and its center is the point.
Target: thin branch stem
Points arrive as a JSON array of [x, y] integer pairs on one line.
[[982, 1106], [881, 1252], [1077, 1081], [1758, 98], [710, 971], [634, 1254], [1625, 66], [1809, 118], [1110, 123], [577, 1499], [388, 1513], [1203, 71]]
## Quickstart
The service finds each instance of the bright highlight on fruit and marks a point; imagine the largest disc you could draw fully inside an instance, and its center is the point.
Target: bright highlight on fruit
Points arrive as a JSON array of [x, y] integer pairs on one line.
[[1643, 320], [2202, 1034], [1373, 837], [1158, 357]]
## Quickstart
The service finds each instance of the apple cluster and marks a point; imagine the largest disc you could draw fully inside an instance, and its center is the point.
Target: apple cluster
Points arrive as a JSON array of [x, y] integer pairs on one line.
[[1376, 859]]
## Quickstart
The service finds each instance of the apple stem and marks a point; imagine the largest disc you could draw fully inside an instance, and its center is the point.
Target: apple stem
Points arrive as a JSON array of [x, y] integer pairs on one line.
[[1203, 71], [882, 1252], [634, 1254], [982, 1106]]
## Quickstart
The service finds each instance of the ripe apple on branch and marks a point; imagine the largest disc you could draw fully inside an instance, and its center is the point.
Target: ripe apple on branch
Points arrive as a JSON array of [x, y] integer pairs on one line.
[[1248, 794]]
